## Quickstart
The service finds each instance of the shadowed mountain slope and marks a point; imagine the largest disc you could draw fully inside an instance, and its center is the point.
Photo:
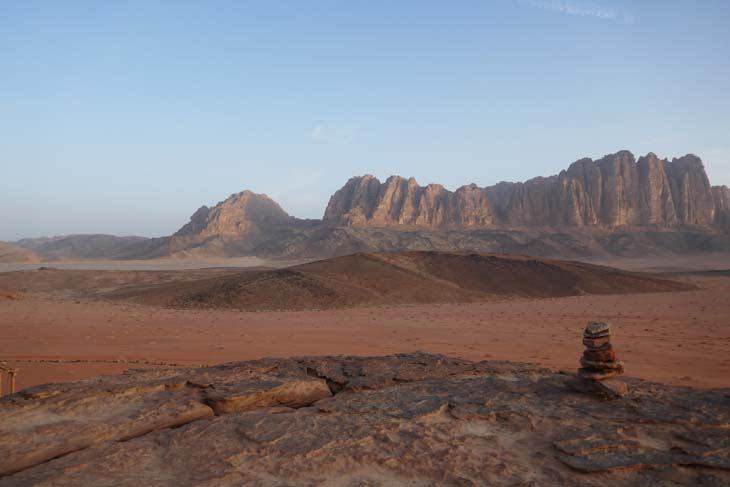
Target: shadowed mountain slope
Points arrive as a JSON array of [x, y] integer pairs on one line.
[[92, 246], [14, 253], [398, 278]]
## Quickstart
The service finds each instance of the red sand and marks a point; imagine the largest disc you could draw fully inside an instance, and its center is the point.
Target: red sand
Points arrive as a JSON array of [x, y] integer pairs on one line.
[[679, 338]]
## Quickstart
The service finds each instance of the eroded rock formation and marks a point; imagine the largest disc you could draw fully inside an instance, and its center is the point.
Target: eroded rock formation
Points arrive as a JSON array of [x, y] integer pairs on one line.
[[242, 213], [232, 227], [616, 190], [399, 201], [417, 418], [365, 201], [721, 196], [613, 206]]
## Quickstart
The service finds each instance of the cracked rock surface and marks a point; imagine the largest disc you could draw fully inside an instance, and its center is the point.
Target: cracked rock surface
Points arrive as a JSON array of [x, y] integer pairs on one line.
[[414, 419]]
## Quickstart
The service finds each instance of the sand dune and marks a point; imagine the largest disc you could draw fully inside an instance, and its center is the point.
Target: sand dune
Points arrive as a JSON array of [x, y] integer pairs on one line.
[[367, 279]]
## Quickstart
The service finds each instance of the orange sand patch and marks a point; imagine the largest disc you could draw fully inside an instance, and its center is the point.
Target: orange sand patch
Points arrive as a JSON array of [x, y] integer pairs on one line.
[[678, 338]]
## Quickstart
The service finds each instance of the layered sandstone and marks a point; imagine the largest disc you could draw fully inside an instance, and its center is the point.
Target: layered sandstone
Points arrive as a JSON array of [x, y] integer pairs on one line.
[[721, 197], [415, 419], [615, 191], [398, 201]]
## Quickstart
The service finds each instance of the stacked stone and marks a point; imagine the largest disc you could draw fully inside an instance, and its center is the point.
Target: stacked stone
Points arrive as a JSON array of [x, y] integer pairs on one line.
[[599, 360]]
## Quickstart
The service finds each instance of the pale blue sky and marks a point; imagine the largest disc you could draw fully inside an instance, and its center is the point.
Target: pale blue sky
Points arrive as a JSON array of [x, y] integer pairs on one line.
[[123, 117]]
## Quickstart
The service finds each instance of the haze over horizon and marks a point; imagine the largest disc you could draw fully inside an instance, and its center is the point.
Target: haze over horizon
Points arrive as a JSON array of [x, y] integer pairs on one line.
[[124, 118]]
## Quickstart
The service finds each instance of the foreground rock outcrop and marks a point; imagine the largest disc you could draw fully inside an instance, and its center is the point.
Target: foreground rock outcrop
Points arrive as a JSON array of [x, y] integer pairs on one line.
[[407, 419]]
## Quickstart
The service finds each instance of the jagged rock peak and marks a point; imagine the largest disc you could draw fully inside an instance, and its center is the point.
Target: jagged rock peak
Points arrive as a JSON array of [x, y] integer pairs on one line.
[[238, 214], [365, 200], [616, 190]]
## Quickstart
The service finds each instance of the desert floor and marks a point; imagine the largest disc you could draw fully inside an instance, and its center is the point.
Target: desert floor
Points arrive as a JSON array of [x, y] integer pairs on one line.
[[680, 338]]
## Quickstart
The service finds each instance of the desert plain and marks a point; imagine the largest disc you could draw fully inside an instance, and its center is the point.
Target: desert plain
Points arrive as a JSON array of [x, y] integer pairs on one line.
[[54, 329]]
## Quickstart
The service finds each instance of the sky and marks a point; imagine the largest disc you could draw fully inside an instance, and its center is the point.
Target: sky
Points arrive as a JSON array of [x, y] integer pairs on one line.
[[124, 117]]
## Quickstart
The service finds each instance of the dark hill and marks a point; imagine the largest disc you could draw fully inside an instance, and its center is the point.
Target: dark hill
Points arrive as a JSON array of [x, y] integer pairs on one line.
[[399, 278]]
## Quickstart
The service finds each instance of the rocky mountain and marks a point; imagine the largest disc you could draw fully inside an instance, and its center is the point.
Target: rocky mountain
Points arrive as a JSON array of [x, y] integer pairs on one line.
[[721, 197], [616, 205], [615, 191], [14, 253], [365, 201], [92, 246], [241, 214], [235, 226]]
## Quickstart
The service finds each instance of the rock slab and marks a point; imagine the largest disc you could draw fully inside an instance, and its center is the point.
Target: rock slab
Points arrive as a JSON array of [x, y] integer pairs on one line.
[[413, 419]]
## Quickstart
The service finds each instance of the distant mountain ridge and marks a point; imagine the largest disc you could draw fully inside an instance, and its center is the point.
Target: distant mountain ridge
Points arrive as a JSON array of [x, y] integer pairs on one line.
[[616, 205], [83, 246], [614, 191], [15, 253]]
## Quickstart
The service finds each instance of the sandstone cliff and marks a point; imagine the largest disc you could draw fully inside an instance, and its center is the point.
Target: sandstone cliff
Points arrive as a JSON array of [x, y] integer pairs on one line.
[[616, 190], [398, 201], [721, 196]]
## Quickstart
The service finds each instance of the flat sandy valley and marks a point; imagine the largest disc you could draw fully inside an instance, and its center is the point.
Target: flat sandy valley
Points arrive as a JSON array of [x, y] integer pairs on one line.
[[680, 338]]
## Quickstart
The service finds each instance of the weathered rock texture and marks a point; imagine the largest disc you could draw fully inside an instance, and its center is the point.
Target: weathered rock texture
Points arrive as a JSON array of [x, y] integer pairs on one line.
[[236, 225], [241, 213], [721, 196], [409, 419], [599, 359], [398, 201], [614, 191]]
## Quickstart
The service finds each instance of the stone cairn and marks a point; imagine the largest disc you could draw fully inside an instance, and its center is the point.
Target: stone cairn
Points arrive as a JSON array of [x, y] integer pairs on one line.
[[599, 360], [599, 367], [11, 375]]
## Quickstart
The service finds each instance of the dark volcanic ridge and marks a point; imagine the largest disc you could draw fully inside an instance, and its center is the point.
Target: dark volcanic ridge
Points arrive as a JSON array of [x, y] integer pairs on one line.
[[616, 205], [367, 279], [415, 419]]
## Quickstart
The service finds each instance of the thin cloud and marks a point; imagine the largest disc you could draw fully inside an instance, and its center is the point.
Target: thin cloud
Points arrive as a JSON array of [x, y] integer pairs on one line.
[[318, 132], [580, 9], [324, 132]]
